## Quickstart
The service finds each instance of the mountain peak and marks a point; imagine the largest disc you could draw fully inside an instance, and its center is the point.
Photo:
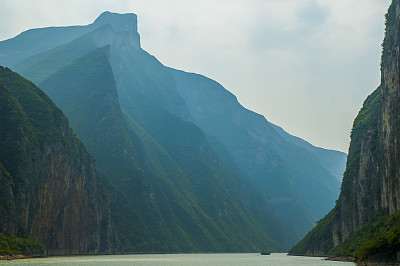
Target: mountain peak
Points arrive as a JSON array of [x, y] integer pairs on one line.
[[117, 30], [119, 22]]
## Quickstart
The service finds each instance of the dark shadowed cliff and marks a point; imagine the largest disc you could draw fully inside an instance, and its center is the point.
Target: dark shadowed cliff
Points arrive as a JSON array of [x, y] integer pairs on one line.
[[50, 188]]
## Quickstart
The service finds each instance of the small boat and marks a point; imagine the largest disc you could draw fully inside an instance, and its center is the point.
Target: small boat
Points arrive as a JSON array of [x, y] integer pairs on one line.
[[264, 252]]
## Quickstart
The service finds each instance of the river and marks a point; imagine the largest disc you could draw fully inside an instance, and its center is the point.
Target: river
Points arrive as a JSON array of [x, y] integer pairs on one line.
[[236, 259]]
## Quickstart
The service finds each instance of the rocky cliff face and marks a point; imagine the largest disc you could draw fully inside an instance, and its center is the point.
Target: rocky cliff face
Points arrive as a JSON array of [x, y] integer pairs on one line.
[[50, 180], [359, 198], [374, 187], [389, 128], [371, 181]]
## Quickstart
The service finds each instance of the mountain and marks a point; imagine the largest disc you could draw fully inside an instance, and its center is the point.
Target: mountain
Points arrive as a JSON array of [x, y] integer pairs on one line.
[[178, 168], [138, 73], [50, 189], [38, 41], [186, 167], [364, 222], [286, 168]]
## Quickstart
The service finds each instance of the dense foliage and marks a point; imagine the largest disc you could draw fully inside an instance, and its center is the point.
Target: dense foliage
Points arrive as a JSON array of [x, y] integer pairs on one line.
[[384, 245], [44, 117], [379, 237], [11, 245]]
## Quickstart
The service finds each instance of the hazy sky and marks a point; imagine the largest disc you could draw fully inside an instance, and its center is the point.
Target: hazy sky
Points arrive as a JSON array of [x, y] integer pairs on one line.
[[306, 65]]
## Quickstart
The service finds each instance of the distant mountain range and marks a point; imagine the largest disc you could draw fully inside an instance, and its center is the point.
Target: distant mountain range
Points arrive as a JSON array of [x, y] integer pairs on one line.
[[184, 167]]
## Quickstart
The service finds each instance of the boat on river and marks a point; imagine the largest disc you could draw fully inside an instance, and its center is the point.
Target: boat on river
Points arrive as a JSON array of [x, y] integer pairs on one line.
[[264, 252]]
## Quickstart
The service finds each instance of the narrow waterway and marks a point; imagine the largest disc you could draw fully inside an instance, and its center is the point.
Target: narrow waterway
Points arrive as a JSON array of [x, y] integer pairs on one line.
[[236, 259]]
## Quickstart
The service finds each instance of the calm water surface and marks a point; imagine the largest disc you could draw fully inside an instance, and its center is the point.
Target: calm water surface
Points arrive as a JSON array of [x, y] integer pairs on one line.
[[179, 259]]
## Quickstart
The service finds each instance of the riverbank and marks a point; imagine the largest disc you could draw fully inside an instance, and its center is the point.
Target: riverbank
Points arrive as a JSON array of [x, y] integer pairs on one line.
[[345, 259], [14, 257]]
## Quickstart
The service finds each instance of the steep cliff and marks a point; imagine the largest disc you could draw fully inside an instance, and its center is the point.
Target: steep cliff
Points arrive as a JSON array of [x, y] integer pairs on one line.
[[390, 124], [370, 190], [51, 191]]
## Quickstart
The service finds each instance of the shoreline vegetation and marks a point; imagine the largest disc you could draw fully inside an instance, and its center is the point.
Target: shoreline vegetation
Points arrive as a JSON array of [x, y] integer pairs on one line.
[[19, 257], [346, 259], [12, 246], [378, 240], [327, 257]]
